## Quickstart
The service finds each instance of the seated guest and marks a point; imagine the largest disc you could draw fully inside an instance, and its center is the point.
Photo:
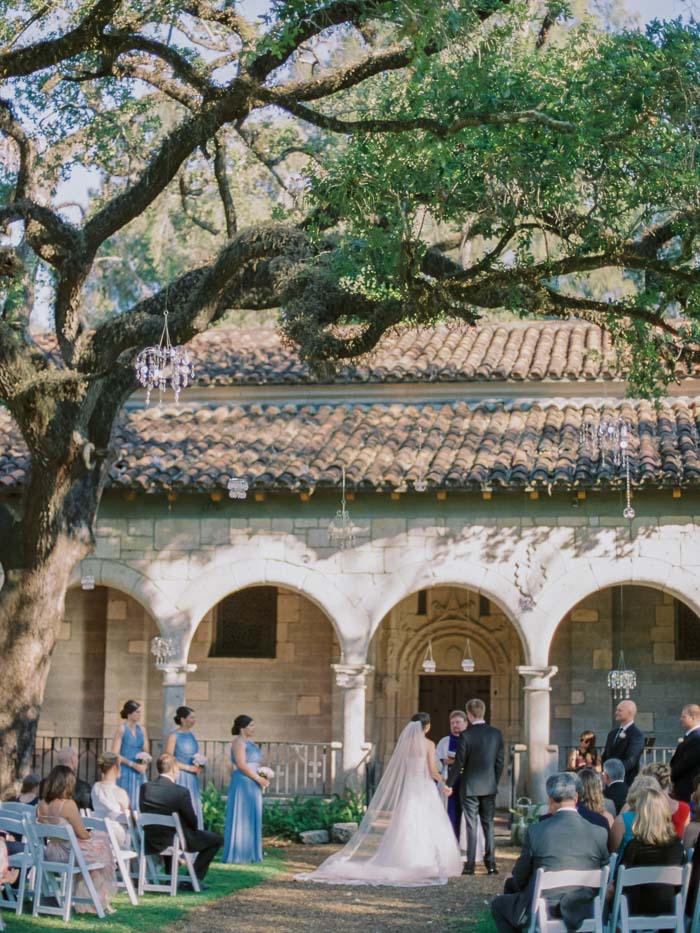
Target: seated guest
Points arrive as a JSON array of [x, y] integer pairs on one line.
[[68, 758], [7, 875], [549, 845], [614, 787], [591, 795], [621, 831], [692, 830], [107, 798], [654, 842], [29, 792], [680, 810], [166, 796], [586, 755]]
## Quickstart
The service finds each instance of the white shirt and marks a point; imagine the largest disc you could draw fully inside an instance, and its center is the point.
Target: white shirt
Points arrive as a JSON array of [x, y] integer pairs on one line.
[[109, 800], [478, 722]]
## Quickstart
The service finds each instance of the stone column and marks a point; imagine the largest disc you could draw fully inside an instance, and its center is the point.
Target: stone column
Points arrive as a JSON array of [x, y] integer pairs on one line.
[[541, 760], [174, 686], [351, 678]]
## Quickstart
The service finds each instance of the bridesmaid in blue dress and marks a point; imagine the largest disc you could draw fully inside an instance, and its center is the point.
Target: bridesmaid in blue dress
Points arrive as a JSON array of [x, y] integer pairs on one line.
[[130, 739], [182, 744], [243, 830]]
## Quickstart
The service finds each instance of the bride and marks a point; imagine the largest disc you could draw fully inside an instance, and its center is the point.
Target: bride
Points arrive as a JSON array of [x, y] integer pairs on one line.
[[405, 837]]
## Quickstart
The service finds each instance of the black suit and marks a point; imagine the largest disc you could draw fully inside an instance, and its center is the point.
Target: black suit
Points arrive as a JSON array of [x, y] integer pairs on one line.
[[549, 844], [165, 797], [617, 792], [478, 766], [685, 765], [628, 747]]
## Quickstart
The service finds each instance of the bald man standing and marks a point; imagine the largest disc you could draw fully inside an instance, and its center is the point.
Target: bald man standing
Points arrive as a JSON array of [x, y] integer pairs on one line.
[[627, 741], [685, 764]]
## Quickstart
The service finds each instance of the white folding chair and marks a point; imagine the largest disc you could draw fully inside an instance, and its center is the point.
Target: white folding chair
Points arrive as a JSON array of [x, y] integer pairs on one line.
[[159, 880], [675, 875], [66, 872], [123, 856], [693, 923], [545, 881], [14, 806], [13, 898]]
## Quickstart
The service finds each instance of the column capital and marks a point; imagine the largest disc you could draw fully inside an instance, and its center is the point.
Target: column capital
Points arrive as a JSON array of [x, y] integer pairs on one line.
[[537, 677], [176, 674], [351, 675]]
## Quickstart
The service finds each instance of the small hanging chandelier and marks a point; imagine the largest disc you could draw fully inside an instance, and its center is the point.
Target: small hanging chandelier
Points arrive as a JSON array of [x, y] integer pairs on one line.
[[468, 663], [611, 437], [164, 366], [621, 680], [237, 487], [429, 665], [163, 649], [342, 530], [87, 582], [420, 484]]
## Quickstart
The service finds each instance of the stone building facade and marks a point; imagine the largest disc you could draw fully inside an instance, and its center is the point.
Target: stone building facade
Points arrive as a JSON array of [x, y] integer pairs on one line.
[[517, 551]]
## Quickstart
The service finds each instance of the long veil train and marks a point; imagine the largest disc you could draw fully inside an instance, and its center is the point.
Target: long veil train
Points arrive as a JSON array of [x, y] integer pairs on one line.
[[405, 837]]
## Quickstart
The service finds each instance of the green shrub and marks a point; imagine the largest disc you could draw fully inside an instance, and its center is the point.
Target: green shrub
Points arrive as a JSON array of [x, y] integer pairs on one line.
[[213, 809], [288, 818]]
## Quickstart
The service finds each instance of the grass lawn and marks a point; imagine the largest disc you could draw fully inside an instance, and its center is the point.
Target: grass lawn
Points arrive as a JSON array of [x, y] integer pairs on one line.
[[155, 911], [483, 923]]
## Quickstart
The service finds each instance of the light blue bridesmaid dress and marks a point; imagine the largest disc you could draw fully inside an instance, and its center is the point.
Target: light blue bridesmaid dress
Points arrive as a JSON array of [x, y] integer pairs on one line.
[[243, 830], [130, 779], [186, 747]]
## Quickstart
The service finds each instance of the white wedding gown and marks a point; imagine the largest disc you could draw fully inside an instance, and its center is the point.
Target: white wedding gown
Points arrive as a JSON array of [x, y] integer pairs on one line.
[[406, 837]]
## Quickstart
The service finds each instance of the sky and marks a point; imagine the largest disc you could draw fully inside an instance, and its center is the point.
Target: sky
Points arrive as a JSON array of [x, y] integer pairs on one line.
[[663, 9]]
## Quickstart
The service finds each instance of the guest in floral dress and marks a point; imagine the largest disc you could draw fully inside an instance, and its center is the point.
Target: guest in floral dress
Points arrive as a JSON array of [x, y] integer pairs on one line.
[[243, 827], [59, 808], [129, 741], [183, 746]]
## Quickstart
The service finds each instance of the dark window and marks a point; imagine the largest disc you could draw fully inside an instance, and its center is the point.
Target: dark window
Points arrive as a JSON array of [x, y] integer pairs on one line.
[[484, 606], [687, 633], [245, 624], [422, 603]]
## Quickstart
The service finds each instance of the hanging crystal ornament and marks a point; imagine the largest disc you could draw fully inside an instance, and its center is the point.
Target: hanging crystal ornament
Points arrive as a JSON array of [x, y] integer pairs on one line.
[[163, 649], [468, 663], [611, 437], [429, 665], [420, 484], [621, 680], [342, 530], [87, 582], [237, 487], [164, 366]]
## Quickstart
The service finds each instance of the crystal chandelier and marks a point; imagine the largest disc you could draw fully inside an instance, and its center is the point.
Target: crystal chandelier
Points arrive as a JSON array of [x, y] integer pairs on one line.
[[420, 484], [621, 680], [468, 663], [429, 665], [611, 437], [164, 366], [163, 649], [87, 582], [237, 487], [342, 530]]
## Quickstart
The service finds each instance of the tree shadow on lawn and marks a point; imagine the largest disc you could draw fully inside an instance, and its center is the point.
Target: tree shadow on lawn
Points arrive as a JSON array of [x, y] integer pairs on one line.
[[155, 911]]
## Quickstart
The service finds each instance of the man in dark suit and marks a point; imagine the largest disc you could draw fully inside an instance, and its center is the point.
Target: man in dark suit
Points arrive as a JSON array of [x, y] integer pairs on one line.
[[478, 766], [68, 757], [685, 764], [627, 741], [614, 787], [165, 796], [566, 841]]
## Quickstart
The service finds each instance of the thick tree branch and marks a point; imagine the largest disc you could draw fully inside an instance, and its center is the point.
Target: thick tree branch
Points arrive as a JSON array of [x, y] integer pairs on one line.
[[14, 129], [224, 187]]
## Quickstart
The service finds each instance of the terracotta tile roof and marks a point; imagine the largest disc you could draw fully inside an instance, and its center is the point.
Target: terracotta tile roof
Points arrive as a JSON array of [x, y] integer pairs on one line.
[[291, 447], [517, 351]]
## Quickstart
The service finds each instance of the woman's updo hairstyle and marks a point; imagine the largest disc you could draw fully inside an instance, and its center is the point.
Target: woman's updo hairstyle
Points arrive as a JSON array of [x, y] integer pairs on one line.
[[128, 708], [182, 712], [107, 761], [422, 718], [240, 722]]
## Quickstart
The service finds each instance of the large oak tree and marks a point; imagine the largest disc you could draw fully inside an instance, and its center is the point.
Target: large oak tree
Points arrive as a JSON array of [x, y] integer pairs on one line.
[[438, 159]]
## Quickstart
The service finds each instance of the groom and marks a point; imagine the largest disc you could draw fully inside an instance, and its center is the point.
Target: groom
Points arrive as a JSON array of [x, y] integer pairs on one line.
[[479, 762]]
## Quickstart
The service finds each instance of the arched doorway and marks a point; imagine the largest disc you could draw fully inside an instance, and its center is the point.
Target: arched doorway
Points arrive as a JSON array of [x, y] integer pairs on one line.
[[446, 616], [660, 637]]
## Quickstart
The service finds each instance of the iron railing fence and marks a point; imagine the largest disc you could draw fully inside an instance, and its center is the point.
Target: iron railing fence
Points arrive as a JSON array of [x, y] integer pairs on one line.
[[662, 753], [305, 769]]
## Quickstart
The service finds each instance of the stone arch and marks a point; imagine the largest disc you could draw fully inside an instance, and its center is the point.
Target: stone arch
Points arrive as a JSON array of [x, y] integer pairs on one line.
[[350, 623], [586, 577], [464, 575]]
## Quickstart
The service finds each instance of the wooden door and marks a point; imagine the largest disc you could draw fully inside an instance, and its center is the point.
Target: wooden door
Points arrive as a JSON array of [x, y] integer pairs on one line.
[[439, 694]]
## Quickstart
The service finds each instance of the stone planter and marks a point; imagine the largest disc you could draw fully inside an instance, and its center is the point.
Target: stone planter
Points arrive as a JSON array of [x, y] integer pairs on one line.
[[314, 837]]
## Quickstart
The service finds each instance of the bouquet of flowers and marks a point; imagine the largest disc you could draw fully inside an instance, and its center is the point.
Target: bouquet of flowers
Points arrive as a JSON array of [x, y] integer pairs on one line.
[[144, 758], [199, 760], [266, 773]]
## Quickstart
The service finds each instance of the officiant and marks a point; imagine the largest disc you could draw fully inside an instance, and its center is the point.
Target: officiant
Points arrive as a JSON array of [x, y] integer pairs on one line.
[[445, 751]]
